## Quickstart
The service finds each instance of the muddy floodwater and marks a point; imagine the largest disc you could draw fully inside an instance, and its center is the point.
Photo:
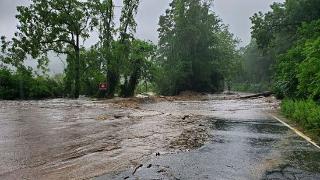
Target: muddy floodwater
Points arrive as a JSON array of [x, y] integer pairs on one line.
[[208, 137]]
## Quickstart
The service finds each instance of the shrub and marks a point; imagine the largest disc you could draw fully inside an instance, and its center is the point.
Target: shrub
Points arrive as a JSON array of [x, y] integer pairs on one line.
[[304, 112], [22, 85]]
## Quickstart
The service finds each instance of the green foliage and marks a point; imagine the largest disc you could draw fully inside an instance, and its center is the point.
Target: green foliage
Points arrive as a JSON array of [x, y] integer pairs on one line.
[[278, 28], [22, 85], [8, 85], [58, 26], [297, 71], [286, 80], [116, 53], [53, 25], [304, 112], [289, 34], [309, 70], [92, 73], [196, 52], [103, 17], [138, 66]]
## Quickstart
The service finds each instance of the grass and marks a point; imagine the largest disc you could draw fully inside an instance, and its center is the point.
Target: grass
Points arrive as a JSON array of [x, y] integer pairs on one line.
[[306, 113]]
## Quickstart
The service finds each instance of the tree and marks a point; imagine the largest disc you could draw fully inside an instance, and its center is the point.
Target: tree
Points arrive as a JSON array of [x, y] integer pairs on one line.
[[280, 35], [195, 48], [256, 72], [279, 27], [309, 70], [298, 71], [126, 30], [54, 25], [93, 73], [104, 16], [141, 54]]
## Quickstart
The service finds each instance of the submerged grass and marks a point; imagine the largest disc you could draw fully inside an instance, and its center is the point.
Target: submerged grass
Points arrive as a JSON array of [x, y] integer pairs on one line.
[[304, 112]]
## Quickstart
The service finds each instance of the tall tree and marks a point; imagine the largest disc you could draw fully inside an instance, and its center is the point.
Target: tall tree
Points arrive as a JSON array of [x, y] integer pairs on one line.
[[195, 48], [104, 18], [126, 30], [54, 25], [140, 57], [278, 34]]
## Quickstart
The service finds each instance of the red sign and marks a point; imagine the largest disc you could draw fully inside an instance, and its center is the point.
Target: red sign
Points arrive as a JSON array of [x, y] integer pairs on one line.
[[103, 86]]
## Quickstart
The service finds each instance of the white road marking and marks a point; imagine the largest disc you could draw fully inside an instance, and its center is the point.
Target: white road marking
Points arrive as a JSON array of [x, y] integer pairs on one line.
[[297, 132]]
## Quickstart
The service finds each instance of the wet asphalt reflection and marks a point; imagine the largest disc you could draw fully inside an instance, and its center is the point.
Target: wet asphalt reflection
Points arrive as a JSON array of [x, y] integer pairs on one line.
[[243, 142]]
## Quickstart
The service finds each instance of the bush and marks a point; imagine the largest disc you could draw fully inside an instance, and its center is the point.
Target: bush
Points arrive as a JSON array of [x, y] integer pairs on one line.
[[298, 70], [304, 112], [22, 85]]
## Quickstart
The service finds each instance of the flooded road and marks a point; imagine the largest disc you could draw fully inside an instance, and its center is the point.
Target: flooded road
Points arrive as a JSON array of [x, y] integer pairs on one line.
[[212, 137]]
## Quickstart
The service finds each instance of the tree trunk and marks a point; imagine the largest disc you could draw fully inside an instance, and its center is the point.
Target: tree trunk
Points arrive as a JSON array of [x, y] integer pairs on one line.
[[130, 86], [112, 82], [133, 82], [77, 71], [264, 94], [21, 87]]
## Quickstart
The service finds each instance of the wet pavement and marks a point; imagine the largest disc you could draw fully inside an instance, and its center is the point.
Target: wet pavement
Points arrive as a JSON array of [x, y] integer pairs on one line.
[[214, 137]]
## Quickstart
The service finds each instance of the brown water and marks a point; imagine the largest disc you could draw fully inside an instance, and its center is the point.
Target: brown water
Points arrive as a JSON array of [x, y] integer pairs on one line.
[[81, 139]]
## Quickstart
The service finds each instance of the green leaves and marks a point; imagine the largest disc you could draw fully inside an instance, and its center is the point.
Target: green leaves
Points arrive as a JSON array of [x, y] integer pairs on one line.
[[288, 35], [21, 84], [52, 25], [298, 70], [309, 70], [304, 112], [196, 52], [127, 21]]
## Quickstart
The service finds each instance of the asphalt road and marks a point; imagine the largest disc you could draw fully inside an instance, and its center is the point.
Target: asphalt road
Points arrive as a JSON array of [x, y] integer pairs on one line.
[[243, 142], [212, 137]]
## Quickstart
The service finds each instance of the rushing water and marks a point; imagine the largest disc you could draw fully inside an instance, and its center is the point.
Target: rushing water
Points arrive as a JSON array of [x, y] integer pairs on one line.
[[211, 138]]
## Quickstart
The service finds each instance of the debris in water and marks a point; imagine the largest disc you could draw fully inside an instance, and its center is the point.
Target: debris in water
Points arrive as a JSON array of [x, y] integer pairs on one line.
[[118, 116], [185, 117], [103, 117], [135, 170], [161, 170]]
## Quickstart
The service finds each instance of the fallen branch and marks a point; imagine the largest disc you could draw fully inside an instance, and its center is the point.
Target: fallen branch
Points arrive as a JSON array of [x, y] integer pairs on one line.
[[264, 94], [135, 170]]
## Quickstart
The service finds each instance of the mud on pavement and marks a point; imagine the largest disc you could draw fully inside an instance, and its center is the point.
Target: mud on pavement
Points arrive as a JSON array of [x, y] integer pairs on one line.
[[202, 137], [79, 139]]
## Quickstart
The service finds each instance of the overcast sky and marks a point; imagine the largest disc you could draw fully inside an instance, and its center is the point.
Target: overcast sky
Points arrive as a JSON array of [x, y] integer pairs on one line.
[[234, 13]]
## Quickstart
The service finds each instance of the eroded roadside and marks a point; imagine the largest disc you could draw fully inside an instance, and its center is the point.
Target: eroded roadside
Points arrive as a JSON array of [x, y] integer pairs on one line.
[[206, 136]]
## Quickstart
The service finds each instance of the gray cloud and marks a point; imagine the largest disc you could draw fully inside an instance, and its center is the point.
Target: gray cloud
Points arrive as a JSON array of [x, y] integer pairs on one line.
[[236, 14]]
